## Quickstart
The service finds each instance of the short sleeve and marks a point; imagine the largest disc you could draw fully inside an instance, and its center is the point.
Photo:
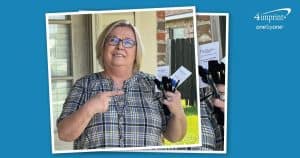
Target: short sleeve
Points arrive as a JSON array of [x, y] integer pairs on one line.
[[74, 99]]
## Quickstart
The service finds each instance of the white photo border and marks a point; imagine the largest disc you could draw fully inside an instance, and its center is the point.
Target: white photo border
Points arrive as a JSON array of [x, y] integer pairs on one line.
[[226, 92], [134, 149]]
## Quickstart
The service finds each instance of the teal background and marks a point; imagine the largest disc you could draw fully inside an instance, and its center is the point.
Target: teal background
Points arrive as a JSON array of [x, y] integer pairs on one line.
[[263, 105]]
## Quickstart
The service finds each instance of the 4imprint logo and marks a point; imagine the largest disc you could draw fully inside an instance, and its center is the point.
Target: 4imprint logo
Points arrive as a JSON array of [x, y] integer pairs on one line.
[[272, 20]]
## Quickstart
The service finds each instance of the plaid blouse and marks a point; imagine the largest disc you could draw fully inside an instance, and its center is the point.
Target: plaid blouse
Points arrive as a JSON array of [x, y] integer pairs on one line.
[[212, 132], [135, 119]]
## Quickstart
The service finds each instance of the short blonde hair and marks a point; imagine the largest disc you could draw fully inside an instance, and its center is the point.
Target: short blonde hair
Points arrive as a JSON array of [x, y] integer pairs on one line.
[[105, 33]]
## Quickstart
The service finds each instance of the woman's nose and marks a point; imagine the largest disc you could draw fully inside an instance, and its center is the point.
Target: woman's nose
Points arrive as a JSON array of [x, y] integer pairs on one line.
[[120, 45]]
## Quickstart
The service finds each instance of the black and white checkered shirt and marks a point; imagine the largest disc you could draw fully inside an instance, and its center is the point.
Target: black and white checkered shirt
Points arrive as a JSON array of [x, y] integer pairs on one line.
[[212, 132], [135, 119]]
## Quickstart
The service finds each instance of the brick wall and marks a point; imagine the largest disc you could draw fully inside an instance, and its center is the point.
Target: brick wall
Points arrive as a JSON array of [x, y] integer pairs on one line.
[[161, 38]]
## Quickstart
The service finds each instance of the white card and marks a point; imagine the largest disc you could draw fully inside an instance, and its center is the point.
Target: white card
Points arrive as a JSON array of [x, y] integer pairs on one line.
[[162, 71], [181, 74], [207, 52]]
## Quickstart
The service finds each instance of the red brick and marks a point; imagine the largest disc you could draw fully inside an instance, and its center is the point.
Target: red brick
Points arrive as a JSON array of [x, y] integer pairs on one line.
[[161, 36], [161, 14]]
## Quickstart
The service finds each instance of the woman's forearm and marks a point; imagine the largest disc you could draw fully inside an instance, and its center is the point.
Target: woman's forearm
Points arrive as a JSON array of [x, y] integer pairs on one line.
[[176, 128], [71, 127]]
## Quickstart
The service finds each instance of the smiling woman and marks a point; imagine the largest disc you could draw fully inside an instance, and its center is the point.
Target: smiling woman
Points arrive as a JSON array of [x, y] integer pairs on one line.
[[118, 55], [126, 30], [118, 107]]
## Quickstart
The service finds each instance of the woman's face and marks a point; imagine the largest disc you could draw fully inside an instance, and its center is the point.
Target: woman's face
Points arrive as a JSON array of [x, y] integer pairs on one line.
[[120, 48]]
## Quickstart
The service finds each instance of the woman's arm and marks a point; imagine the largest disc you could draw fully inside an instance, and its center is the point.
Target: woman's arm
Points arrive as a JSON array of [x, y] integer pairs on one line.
[[176, 126], [71, 127]]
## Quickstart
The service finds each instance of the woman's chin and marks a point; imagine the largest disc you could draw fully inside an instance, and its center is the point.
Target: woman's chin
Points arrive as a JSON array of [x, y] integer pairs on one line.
[[120, 65]]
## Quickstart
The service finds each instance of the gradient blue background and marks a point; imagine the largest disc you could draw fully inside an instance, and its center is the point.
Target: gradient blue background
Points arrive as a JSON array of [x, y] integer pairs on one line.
[[263, 77]]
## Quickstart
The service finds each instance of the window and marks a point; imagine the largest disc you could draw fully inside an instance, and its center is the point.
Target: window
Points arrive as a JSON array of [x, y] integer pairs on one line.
[[70, 58], [60, 61], [178, 33]]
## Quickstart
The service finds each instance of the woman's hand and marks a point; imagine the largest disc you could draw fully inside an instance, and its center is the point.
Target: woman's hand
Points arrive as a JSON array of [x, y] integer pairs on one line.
[[173, 102], [99, 103], [219, 103], [176, 128], [71, 127]]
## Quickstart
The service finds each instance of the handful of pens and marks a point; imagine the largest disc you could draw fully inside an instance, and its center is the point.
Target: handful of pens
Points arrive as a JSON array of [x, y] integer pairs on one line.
[[167, 84]]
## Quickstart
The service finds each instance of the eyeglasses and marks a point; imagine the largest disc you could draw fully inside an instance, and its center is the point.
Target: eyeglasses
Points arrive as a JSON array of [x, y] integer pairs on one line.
[[127, 42]]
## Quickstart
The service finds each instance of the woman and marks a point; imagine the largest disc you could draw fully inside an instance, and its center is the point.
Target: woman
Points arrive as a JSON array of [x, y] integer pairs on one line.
[[119, 107]]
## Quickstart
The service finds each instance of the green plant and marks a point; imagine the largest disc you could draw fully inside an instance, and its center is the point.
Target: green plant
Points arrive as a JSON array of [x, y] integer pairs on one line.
[[191, 110]]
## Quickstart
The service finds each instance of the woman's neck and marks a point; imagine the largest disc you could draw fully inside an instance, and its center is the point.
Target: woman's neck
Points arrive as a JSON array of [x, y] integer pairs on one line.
[[118, 76]]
